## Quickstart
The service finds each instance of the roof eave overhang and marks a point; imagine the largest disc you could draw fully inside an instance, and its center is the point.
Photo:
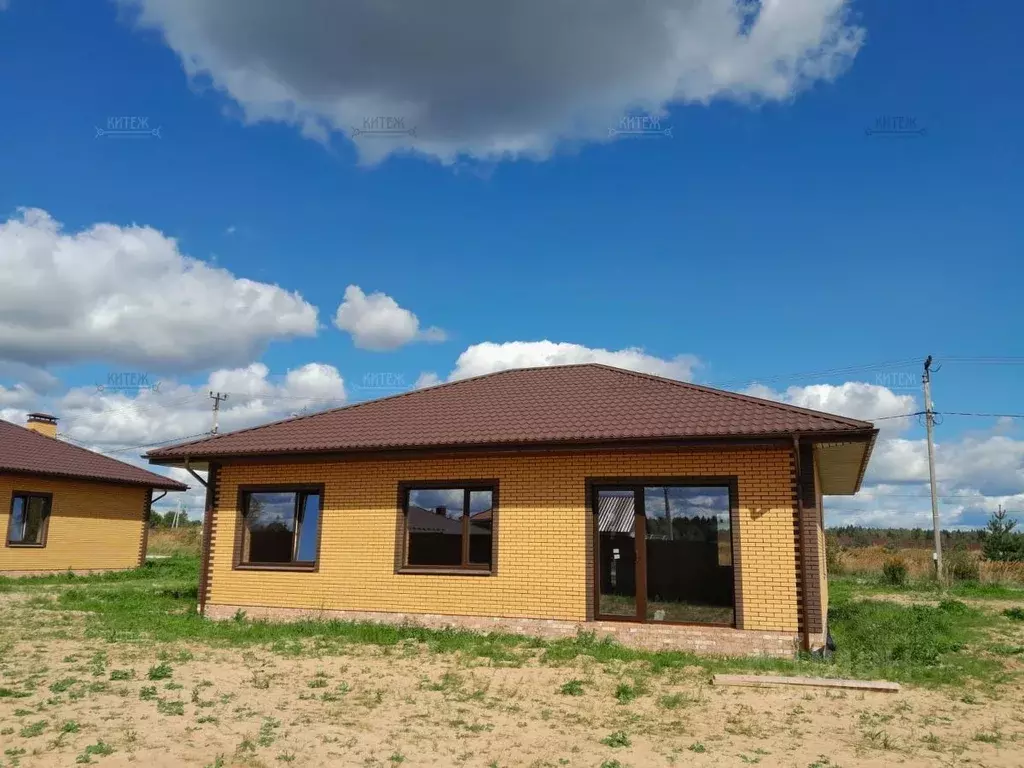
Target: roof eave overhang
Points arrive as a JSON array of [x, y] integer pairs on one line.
[[843, 463], [201, 461], [168, 485]]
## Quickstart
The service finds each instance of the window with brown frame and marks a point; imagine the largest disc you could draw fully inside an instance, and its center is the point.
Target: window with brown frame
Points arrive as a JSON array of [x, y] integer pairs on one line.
[[280, 526], [449, 526], [29, 520]]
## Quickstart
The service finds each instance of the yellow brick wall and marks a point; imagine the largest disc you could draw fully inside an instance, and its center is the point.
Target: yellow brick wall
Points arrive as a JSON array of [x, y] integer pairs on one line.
[[543, 528], [92, 525]]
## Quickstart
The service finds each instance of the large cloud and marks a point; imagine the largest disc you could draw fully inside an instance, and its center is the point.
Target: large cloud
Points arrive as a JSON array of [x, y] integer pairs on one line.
[[112, 420], [498, 79], [377, 322], [489, 357], [853, 399], [122, 424], [128, 295]]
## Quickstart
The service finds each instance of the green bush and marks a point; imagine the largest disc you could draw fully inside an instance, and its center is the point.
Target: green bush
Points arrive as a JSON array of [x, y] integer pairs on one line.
[[895, 571], [833, 554], [961, 565]]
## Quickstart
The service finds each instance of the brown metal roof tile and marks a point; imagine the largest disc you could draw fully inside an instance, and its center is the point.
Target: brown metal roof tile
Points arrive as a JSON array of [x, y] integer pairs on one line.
[[22, 450], [560, 404]]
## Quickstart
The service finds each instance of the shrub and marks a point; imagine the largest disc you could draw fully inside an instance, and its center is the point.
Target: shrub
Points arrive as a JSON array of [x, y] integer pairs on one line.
[[961, 565], [1014, 614], [833, 554], [895, 571]]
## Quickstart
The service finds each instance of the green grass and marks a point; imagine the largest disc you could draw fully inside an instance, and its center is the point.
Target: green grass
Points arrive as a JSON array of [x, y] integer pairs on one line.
[[572, 688], [617, 739], [876, 638], [843, 588]]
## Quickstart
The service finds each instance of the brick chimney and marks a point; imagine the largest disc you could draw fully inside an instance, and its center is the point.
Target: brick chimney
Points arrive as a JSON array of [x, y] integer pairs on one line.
[[43, 423]]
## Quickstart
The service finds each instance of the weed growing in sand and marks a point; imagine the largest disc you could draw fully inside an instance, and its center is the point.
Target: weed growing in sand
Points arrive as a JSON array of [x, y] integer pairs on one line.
[[35, 729], [160, 671], [167, 707], [572, 688], [100, 748], [617, 739]]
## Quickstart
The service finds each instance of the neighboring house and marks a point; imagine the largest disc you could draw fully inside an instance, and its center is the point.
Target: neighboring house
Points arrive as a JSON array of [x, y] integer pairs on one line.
[[66, 508], [537, 500]]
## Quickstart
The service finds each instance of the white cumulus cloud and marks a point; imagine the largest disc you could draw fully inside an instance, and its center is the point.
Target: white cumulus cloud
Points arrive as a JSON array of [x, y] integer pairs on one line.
[[853, 399], [489, 357], [128, 295], [497, 80], [378, 323]]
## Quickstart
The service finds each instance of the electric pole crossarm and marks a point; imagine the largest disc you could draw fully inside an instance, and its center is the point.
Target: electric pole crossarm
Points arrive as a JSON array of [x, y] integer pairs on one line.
[[216, 397]]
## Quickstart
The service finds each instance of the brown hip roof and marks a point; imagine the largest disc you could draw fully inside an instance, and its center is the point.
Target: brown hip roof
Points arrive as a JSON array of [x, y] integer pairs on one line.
[[28, 452], [570, 404]]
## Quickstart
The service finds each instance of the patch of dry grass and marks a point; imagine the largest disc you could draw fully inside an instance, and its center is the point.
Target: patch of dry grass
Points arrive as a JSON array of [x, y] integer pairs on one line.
[[857, 561], [175, 541]]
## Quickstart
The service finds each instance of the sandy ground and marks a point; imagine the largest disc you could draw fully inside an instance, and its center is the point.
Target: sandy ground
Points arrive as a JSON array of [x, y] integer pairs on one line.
[[366, 706]]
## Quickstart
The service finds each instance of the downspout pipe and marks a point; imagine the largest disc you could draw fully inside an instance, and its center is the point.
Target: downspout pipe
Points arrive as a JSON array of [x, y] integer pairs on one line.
[[188, 468], [798, 488]]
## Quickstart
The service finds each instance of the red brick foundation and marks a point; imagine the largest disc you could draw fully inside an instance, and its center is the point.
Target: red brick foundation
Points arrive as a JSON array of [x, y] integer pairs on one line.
[[723, 641]]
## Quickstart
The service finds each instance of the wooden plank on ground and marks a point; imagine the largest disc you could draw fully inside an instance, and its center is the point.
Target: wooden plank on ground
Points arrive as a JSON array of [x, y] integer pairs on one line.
[[817, 682]]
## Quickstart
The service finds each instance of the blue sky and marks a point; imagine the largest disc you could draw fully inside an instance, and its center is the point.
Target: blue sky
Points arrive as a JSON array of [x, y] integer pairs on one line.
[[769, 235]]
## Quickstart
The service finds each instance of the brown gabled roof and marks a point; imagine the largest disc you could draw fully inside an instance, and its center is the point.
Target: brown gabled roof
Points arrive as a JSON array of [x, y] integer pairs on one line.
[[25, 451], [568, 404]]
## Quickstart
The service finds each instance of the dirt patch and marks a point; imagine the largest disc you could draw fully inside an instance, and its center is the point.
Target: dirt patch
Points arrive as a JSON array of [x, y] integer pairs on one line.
[[359, 705]]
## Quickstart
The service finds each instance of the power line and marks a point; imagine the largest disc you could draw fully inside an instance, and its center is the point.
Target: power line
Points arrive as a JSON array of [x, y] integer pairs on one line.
[[152, 445], [813, 374], [988, 415]]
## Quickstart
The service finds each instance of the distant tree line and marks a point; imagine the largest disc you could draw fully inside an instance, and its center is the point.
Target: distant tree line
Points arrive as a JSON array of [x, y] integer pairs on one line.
[[904, 538], [999, 541], [166, 519]]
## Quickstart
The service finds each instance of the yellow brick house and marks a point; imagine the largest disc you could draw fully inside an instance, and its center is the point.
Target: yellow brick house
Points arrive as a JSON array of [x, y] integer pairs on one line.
[[63, 507], [542, 501]]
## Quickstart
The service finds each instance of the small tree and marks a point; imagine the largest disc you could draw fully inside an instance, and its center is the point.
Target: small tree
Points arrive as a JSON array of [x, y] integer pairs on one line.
[[1001, 543]]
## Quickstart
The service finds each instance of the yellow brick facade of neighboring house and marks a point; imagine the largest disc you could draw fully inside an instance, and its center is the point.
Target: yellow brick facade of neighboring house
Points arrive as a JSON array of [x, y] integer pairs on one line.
[[544, 529], [93, 525]]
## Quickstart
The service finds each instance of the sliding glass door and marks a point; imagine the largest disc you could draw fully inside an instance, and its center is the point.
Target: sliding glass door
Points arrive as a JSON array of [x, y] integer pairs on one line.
[[664, 552]]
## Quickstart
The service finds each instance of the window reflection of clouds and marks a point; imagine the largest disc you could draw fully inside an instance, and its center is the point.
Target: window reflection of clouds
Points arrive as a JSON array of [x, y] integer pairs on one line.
[[451, 499]]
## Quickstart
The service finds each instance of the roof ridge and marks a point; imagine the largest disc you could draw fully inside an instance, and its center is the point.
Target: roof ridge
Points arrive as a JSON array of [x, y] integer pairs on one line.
[[764, 402], [66, 445]]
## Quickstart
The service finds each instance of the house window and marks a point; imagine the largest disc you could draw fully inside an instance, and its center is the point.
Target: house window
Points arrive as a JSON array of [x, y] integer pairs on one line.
[[29, 520], [449, 526], [664, 550], [280, 527]]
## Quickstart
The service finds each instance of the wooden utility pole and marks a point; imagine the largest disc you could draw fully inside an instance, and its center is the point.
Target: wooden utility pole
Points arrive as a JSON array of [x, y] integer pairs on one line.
[[929, 418], [216, 397]]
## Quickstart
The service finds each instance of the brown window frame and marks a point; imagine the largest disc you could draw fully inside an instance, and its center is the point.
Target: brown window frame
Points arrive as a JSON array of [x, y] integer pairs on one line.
[[637, 485], [44, 533], [466, 569], [302, 566]]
